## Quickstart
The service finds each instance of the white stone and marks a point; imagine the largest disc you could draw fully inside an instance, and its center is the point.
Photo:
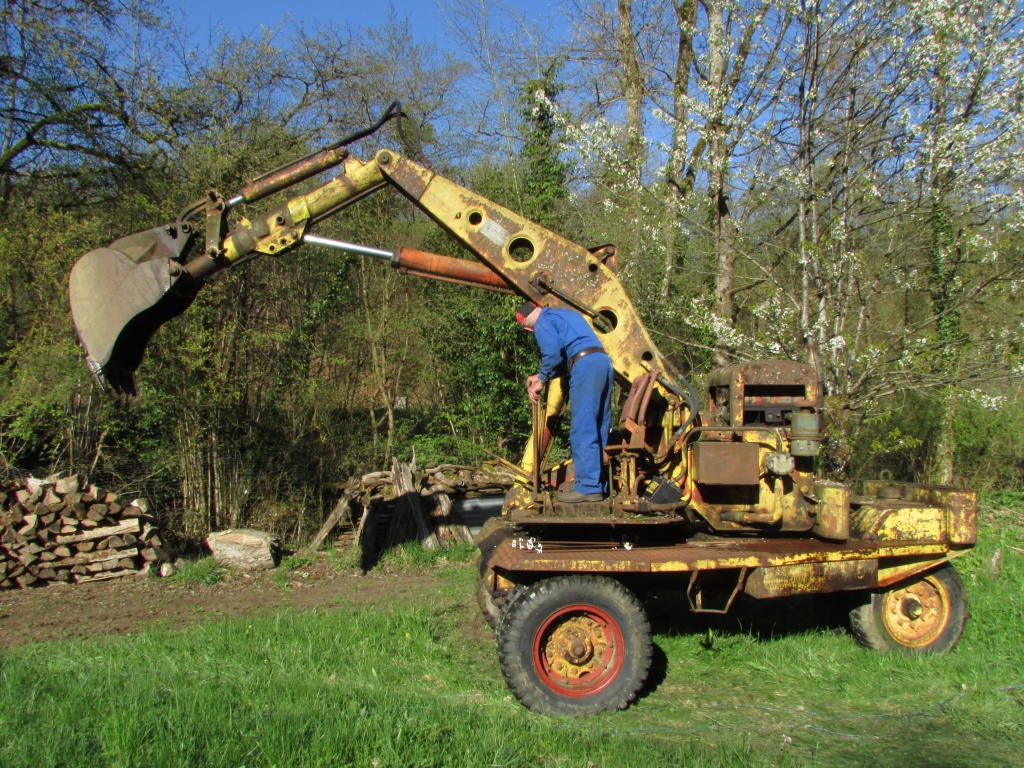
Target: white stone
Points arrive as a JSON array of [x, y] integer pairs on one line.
[[244, 549]]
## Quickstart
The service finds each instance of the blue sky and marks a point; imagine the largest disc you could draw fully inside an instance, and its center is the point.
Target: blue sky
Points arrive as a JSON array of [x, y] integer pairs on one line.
[[247, 16]]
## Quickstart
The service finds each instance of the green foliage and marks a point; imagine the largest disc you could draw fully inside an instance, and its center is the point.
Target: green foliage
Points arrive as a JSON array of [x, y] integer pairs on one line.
[[413, 555], [545, 175], [202, 571]]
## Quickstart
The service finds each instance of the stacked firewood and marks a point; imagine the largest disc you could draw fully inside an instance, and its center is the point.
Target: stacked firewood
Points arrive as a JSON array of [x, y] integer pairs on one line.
[[62, 529]]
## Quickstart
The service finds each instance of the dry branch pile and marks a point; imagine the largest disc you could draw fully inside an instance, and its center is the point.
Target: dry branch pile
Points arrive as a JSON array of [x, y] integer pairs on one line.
[[383, 509], [61, 529]]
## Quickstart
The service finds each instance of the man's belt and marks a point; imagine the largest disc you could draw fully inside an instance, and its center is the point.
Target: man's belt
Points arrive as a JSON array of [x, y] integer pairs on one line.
[[583, 353]]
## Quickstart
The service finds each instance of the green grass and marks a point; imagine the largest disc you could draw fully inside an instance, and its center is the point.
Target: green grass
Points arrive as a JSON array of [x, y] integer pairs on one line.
[[201, 571], [408, 684]]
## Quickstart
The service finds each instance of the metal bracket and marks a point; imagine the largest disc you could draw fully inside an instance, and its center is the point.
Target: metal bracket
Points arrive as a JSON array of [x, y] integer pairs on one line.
[[215, 225], [696, 598]]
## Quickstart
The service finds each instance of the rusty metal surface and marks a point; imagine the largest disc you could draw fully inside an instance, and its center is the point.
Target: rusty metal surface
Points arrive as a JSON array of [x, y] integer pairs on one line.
[[292, 173], [704, 555], [447, 268], [960, 507], [721, 463], [896, 520], [785, 580]]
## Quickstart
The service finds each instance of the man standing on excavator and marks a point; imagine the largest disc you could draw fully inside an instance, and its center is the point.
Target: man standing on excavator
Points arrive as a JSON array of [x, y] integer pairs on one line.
[[568, 345]]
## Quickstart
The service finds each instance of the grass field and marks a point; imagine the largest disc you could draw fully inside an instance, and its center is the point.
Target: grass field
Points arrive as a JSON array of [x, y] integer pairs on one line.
[[405, 684]]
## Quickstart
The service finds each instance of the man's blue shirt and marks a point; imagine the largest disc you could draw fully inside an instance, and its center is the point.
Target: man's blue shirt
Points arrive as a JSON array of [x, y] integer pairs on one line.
[[561, 333]]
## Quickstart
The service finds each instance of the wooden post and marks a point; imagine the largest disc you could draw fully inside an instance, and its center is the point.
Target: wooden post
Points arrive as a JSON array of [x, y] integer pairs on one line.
[[340, 510]]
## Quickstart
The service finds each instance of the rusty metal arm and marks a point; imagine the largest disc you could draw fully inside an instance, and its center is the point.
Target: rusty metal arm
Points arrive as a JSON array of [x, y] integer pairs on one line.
[[515, 254]]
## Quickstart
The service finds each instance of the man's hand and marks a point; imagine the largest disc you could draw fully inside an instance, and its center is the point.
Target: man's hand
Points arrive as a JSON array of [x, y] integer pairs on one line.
[[534, 386]]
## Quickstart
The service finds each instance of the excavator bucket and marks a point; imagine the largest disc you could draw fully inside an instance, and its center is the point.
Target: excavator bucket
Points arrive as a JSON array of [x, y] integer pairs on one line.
[[121, 294]]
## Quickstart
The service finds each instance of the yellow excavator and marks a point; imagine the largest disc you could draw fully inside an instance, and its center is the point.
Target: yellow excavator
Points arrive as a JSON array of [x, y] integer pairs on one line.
[[719, 504]]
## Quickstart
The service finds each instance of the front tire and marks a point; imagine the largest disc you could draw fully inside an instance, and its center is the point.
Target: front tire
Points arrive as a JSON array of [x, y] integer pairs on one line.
[[575, 645], [925, 614]]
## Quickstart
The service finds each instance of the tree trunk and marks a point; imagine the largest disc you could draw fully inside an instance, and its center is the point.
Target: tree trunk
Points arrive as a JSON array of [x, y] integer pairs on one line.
[[633, 90]]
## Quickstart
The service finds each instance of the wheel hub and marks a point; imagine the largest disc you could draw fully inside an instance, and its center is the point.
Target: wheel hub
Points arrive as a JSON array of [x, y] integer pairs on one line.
[[576, 647], [578, 650], [916, 614]]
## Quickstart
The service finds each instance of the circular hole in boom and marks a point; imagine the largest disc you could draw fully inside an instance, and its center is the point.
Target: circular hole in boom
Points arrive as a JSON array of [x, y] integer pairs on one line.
[[647, 356], [607, 323], [521, 249], [475, 218]]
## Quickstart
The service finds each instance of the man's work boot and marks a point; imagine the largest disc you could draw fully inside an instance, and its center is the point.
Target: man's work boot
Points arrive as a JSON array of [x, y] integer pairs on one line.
[[574, 496]]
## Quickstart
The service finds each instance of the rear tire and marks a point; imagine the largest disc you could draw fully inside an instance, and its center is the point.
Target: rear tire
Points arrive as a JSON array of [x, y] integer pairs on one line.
[[575, 645], [925, 614]]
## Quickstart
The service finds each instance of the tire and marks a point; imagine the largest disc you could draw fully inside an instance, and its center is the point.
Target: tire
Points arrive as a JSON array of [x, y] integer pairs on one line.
[[925, 614], [575, 645]]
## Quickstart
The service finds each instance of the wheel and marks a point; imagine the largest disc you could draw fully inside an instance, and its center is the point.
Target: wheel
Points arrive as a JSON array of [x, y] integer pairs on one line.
[[575, 645], [925, 614]]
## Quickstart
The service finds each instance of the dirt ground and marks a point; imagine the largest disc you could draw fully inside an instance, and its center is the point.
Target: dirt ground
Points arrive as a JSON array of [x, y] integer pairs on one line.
[[120, 606]]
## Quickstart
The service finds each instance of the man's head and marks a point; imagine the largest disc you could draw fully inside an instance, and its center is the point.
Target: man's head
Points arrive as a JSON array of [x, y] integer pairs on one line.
[[527, 315]]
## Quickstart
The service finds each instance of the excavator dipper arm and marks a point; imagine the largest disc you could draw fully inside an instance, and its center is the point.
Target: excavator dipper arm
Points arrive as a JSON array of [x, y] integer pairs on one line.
[[121, 294]]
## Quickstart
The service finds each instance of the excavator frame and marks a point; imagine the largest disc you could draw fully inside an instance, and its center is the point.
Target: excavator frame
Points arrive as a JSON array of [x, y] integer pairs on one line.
[[723, 503]]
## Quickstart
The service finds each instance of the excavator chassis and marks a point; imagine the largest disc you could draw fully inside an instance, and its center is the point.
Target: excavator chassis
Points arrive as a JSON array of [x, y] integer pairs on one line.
[[895, 568]]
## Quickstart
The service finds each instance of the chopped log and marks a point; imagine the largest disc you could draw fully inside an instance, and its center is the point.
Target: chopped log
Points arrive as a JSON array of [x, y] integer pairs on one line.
[[46, 574], [128, 526], [126, 562], [83, 558], [456, 531], [115, 542], [105, 576], [129, 539], [244, 549], [86, 546], [340, 510], [51, 498], [27, 579], [79, 570], [66, 485], [62, 551], [406, 491], [97, 512], [102, 544]]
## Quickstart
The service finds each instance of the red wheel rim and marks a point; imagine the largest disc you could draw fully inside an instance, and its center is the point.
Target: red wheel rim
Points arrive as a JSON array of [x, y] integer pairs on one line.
[[578, 650]]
